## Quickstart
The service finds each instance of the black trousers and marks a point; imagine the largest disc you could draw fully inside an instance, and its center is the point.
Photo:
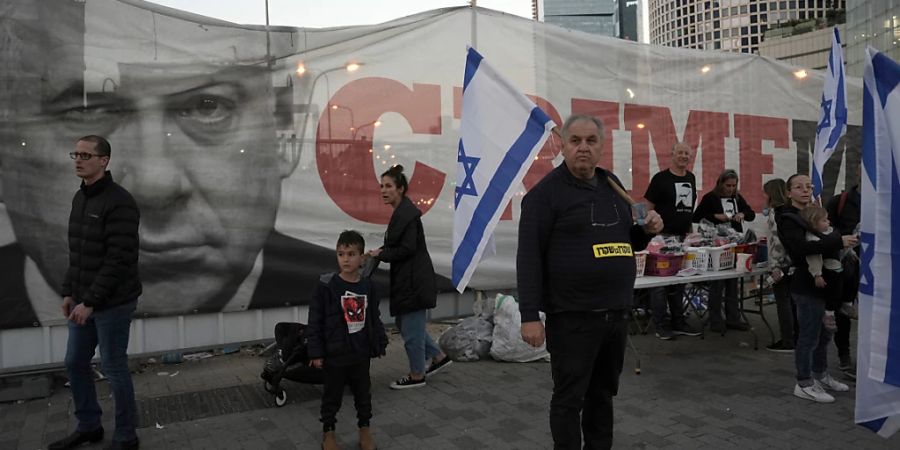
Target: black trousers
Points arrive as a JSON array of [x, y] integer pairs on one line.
[[669, 298], [850, 289], [356, 376], [587, 351]]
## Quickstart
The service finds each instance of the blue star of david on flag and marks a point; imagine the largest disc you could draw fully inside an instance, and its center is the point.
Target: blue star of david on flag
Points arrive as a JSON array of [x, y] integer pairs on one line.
[[833, 122], [468, 165], [826, 115], [878, 352], [501, 132]]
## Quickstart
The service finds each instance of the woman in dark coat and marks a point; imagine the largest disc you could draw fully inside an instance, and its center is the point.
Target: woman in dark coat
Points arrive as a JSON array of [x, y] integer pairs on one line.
[[724, 205], [413, 289], [811, 351]]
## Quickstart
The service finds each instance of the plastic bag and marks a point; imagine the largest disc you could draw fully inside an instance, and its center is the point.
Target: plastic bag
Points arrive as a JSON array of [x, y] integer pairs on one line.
[[469, 340], [508, 344]]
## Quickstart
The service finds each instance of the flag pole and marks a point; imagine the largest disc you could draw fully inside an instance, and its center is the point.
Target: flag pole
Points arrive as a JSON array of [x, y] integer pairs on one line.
[[609, 180], [472, 5]]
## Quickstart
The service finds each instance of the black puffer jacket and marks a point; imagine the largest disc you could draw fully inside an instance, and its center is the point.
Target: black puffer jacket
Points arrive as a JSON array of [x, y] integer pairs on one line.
[[412, 273], [103, 246]]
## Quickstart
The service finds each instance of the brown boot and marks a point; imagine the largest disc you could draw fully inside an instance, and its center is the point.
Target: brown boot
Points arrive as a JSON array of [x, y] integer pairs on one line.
[[365, 439], [329, 442]]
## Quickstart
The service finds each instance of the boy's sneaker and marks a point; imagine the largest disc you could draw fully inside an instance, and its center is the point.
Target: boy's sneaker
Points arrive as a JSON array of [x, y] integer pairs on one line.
[[434, 368], [830, 323], [780, 347], [814, 393], [665, 333], [366, 442], [329, 442], [829, 383], [685, 329], [407, 383]]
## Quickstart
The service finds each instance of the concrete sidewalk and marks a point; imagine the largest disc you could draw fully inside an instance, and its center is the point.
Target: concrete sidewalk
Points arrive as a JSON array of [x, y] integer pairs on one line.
[[692, 394]]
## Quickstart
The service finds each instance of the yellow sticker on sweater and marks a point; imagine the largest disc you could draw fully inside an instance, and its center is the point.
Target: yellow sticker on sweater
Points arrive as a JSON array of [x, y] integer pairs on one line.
[[612, 249]]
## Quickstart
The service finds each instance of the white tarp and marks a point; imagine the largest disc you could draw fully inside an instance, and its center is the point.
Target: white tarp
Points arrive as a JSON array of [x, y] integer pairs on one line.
[[246, 169]]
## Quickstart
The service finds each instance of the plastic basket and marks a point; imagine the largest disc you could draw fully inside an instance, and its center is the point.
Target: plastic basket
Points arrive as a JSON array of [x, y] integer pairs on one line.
[[640, 258], [696, 258], [721, 258], [663, 265]]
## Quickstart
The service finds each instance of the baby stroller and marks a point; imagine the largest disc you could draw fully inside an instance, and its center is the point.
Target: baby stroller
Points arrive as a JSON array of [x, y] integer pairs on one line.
[[290, 361]]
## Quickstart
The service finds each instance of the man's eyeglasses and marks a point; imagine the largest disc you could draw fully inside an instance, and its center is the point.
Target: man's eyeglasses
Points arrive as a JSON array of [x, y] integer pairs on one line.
[[605, 223], [84, 156]]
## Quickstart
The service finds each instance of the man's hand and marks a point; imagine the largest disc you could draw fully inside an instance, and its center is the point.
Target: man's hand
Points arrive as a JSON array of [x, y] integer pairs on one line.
[[81, 313], [317, 363], [653, 223], [777, 274], [739, 217], [533, 333], [850, 240], [67, 305], [374, 252]]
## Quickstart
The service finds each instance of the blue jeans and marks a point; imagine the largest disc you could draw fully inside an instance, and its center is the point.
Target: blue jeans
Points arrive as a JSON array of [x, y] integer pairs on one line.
[[110, 329], [419, 345], [811, 352]]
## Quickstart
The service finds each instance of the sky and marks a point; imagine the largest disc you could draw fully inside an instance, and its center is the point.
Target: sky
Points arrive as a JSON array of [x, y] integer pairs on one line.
[[329, 13]]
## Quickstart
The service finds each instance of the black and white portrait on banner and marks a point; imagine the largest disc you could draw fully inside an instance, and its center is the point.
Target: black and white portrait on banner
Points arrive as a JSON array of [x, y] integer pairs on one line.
[[194, 138]]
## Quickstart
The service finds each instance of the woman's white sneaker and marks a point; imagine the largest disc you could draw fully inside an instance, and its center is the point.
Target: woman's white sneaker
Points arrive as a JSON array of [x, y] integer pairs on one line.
[[831, 384], [814, 393]]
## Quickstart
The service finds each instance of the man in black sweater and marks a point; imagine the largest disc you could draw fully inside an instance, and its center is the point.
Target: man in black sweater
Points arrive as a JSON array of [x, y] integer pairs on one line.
[[576, 263], [100, 293]]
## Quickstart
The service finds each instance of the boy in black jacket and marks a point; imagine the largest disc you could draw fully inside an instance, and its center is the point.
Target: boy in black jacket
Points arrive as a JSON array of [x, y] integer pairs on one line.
[[345, 331]]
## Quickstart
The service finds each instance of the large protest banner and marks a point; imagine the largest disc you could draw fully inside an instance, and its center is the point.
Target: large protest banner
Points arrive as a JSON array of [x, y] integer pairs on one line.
[[248, 149]]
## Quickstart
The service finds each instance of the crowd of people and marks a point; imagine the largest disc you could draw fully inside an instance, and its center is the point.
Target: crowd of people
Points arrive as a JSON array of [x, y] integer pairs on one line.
[[813, 265], [586, 295], [102, 286], [578, 232]]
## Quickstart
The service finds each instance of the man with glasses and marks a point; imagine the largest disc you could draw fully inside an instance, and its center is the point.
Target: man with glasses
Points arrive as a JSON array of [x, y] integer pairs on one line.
[[100, 291], [195, 119], [576, 263]]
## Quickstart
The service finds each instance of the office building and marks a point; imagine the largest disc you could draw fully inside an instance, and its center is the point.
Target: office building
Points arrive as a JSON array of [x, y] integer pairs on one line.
[[873, 23], [730, 25]]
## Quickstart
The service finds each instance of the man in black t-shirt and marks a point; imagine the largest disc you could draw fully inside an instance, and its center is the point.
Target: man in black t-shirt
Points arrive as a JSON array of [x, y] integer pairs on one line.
[[673, 194]]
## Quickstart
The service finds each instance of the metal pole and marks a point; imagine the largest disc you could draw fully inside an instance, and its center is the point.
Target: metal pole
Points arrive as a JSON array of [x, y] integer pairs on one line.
[[268, 39], [474, 24]]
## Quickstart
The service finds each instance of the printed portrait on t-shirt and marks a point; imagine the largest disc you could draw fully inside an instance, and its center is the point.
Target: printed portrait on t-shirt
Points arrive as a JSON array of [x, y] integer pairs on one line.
[[354, 311], [729, 207], [684, 197]]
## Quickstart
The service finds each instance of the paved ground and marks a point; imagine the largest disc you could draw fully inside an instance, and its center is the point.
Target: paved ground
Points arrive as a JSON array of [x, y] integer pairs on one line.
[[693, 394]]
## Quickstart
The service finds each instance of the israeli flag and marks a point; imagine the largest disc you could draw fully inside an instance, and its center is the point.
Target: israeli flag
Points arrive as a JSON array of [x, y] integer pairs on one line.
[[500, 135], [878, 349], [833, 121]]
